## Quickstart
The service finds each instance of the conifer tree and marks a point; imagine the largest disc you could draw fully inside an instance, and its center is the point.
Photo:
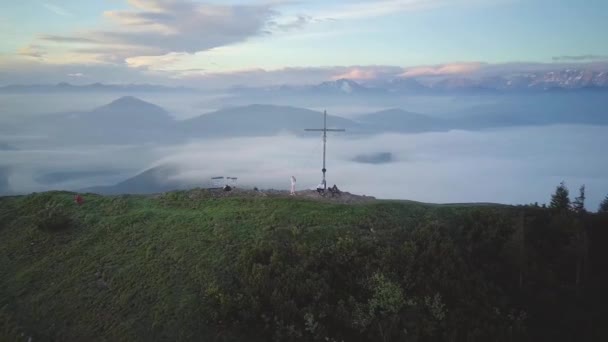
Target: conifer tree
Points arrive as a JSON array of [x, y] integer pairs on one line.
[[579, 203], [560, 200], [604, 206]]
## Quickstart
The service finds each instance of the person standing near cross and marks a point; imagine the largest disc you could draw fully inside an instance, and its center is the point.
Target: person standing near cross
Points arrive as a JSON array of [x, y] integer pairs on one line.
[[293, 186]]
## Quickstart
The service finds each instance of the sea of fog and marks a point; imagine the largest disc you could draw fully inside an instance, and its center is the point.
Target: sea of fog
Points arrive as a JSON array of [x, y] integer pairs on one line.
[[515, 165]]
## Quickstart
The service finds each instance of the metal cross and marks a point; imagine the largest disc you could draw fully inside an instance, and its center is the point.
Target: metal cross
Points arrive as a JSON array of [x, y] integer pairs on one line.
[[324, 130]]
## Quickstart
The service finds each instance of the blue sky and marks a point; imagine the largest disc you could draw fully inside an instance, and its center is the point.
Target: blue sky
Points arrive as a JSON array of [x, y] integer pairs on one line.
[[185, 40]]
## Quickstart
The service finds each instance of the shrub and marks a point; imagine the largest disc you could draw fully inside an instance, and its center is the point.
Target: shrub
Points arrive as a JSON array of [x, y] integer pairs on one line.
[[53, 217]]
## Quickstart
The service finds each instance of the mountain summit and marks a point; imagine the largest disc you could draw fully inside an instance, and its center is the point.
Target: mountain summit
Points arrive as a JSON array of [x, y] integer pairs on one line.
[[130, 107], [343, 85]]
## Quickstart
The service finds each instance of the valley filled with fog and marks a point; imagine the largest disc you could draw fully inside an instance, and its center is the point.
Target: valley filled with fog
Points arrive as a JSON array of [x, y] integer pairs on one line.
[[451, 148]]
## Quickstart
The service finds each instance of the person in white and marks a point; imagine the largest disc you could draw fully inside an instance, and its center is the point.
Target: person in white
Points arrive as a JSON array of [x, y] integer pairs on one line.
[[293, 185], [321, 186]]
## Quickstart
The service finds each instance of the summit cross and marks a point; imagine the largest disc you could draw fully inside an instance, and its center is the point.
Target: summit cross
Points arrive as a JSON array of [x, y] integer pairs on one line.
[[324, 130]]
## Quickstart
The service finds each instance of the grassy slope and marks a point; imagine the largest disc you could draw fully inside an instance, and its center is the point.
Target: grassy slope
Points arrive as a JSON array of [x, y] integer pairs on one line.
[[133, 267]]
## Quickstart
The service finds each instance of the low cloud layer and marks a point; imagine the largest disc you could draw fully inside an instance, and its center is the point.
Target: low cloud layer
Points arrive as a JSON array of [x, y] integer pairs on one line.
[[25, 166], [509, 166]]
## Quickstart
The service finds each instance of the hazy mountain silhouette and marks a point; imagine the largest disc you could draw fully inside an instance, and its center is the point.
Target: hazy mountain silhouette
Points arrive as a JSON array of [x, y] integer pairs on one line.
[[375, 158], [155, 180], [539, 110], [133, 121], [6, 147], [125, 120], [60, 177], [133, 108], [129, 113], [398, 120], [260, 120]]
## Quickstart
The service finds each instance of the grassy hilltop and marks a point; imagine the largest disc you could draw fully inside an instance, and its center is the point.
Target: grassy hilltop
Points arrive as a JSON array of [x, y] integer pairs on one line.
[[194, 266]]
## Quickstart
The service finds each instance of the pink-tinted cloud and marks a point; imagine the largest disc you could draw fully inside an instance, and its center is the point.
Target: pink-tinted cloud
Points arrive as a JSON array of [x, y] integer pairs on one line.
[[443, 69], [260, 77], [357, 74], [366, 73]]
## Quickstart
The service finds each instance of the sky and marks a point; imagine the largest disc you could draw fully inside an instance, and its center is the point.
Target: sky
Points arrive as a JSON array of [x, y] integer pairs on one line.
[[193, 42]]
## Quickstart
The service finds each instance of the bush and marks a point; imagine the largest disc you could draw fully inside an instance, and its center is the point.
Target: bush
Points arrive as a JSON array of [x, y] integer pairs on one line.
[[53, 217]]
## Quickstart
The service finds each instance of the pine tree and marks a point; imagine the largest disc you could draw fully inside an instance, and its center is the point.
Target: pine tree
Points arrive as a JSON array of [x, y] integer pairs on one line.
[[560, 200], [579, 203], [604, 206]]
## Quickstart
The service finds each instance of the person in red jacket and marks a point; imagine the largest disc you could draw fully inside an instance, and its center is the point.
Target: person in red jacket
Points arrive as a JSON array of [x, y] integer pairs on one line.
[[78, 199]]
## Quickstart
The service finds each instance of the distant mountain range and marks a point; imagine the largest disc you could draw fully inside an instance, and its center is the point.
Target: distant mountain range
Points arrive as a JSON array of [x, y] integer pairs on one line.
[[94, 87], [131, 120], [568, 79], [565, 79]]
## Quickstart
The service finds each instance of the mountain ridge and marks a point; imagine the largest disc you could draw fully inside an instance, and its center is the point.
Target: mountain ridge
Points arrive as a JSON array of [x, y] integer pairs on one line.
[[131, 120], [568, 79]]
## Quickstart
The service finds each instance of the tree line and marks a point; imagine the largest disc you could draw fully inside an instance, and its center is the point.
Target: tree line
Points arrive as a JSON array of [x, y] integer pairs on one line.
[[560, 200]]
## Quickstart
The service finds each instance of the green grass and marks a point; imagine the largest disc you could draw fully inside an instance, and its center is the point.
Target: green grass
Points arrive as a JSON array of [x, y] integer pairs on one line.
[[135, 267]]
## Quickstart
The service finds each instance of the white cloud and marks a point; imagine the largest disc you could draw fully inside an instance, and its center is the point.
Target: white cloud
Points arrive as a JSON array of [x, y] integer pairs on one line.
[[33, 51], [289, 24], [164, 62], [56, 9], [157, 28], [35, 71]]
